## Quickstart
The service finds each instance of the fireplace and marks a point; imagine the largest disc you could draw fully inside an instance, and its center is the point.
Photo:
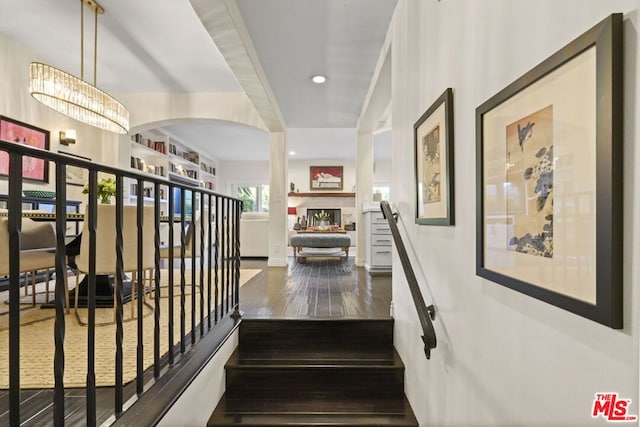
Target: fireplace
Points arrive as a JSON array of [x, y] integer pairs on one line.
[[334, 214]]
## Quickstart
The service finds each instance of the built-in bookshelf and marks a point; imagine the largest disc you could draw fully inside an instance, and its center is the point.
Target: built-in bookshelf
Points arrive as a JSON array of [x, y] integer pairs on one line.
[[183, 161], [208, 174], [156, 153]]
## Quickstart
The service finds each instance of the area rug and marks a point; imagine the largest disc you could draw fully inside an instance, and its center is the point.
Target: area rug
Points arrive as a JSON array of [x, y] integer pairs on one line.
[[37, 340]]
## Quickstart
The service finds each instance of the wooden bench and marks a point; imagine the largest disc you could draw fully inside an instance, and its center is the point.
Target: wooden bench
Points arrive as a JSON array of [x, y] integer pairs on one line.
[[319, 241]]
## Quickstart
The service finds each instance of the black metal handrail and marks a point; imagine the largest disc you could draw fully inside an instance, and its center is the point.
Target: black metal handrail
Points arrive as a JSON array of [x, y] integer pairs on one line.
[[219, 218], [425, 313]]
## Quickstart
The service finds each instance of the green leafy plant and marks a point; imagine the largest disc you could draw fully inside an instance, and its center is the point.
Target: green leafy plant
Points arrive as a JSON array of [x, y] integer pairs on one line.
[[105, 189], [322, 216]]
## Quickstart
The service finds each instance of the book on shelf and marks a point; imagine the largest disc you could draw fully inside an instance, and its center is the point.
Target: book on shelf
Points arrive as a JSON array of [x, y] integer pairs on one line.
[[137, 163], [193, 157], [208, 169], [158, 146]]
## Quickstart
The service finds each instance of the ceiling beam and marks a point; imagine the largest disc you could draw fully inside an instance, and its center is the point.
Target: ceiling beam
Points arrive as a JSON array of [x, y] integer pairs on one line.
[[378, 97], [223, 22]]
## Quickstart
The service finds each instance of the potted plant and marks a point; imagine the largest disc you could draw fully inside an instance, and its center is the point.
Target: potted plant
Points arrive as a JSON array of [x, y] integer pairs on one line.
[[106, 189], [323, 220]]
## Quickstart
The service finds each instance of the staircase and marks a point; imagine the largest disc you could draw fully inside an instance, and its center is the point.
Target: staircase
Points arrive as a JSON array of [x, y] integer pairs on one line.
[[314, 372]]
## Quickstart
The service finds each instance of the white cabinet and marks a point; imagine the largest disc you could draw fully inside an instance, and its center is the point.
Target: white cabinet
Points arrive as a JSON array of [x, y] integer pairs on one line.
[[378, 242]]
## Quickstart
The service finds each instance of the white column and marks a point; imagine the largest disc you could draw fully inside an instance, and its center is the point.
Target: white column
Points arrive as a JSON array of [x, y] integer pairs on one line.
[[278, 199], [364, 187]]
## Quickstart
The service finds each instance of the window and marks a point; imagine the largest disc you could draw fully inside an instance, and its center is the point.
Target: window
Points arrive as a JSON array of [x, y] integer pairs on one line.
[[255, 198]]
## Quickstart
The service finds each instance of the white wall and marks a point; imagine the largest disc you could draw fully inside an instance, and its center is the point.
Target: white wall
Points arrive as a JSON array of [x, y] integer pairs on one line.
[[382, 172], [16, 103], [241, 173], [503, 358], [197, 403]]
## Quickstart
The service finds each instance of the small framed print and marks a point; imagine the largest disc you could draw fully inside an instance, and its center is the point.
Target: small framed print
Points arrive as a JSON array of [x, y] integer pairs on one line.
[[433, 144], [549, 179]]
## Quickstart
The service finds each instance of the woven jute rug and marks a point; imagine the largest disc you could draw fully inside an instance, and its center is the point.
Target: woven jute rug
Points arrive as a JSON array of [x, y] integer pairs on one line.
[[37, 338]]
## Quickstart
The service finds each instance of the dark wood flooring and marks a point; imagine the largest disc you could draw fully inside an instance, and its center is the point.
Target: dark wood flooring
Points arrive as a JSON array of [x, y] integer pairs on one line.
[[319, 288]]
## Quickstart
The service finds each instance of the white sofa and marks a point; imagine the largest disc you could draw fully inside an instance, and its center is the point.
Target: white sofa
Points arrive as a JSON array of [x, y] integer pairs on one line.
[[254, 234]]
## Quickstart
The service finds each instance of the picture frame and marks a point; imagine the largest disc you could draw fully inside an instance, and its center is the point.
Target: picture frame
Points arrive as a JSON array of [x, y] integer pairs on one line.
[[549, 172], [76, 175], [434, 165], [33, 169], [326, 178]]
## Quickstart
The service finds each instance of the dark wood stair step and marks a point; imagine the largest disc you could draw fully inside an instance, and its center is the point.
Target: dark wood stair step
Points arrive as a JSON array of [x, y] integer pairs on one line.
[[323, 411], [314, 372], [295, 357], [315, 335], [314, 378]]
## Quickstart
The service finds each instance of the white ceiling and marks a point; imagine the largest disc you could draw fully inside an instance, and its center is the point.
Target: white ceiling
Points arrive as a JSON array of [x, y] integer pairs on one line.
[[162, 46], [340, 39]]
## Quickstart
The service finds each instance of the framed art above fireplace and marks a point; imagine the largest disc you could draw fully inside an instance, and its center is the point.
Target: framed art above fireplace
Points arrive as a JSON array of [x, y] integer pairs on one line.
[[325, 177]]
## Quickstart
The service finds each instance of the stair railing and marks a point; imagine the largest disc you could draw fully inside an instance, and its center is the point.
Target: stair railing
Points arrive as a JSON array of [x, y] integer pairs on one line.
[[218, 227], [425, 313]]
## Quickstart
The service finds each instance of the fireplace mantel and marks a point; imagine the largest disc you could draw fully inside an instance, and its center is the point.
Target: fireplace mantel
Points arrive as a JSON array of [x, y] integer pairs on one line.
[[323, 194]]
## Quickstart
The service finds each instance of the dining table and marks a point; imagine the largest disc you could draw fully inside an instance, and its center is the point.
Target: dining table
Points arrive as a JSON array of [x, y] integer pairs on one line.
[[104, 283], [38, 215]]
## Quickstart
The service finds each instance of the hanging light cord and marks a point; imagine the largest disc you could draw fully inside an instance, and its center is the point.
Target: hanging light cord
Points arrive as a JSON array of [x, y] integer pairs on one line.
[[95, 46], [95, 43], [81, 40]]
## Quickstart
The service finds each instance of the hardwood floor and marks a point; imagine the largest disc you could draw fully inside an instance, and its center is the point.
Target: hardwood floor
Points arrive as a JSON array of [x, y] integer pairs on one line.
[[319, 288]]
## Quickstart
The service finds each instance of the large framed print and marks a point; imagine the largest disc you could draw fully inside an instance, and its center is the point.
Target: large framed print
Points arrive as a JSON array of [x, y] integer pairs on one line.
[[33, 169], [325, 177], [433, 154], [549, 179]]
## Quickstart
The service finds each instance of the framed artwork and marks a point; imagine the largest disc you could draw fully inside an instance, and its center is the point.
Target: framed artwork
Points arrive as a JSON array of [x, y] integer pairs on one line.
[[33, 169], [76, 175], [549, 175], [325, 177], [433, 145]]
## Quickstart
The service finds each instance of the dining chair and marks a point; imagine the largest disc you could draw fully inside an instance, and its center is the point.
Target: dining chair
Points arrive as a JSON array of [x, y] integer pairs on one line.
[[37, 251], [192, 231], [106, 247]]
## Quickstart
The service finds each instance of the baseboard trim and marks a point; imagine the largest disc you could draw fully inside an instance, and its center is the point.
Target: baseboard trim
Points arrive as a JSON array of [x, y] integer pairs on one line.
[[277, 262]]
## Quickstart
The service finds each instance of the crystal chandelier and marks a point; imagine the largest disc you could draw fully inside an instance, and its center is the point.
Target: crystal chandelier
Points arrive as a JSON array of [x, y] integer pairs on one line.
[[75, 97]]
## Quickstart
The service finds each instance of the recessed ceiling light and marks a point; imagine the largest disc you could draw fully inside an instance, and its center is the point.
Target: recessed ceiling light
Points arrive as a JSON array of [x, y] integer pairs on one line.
[[319, 79], [292, 153]]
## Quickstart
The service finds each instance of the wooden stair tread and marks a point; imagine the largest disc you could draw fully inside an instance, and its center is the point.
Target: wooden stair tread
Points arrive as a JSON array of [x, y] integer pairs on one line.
[[294, 358], [319, 405], [316, 412]]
